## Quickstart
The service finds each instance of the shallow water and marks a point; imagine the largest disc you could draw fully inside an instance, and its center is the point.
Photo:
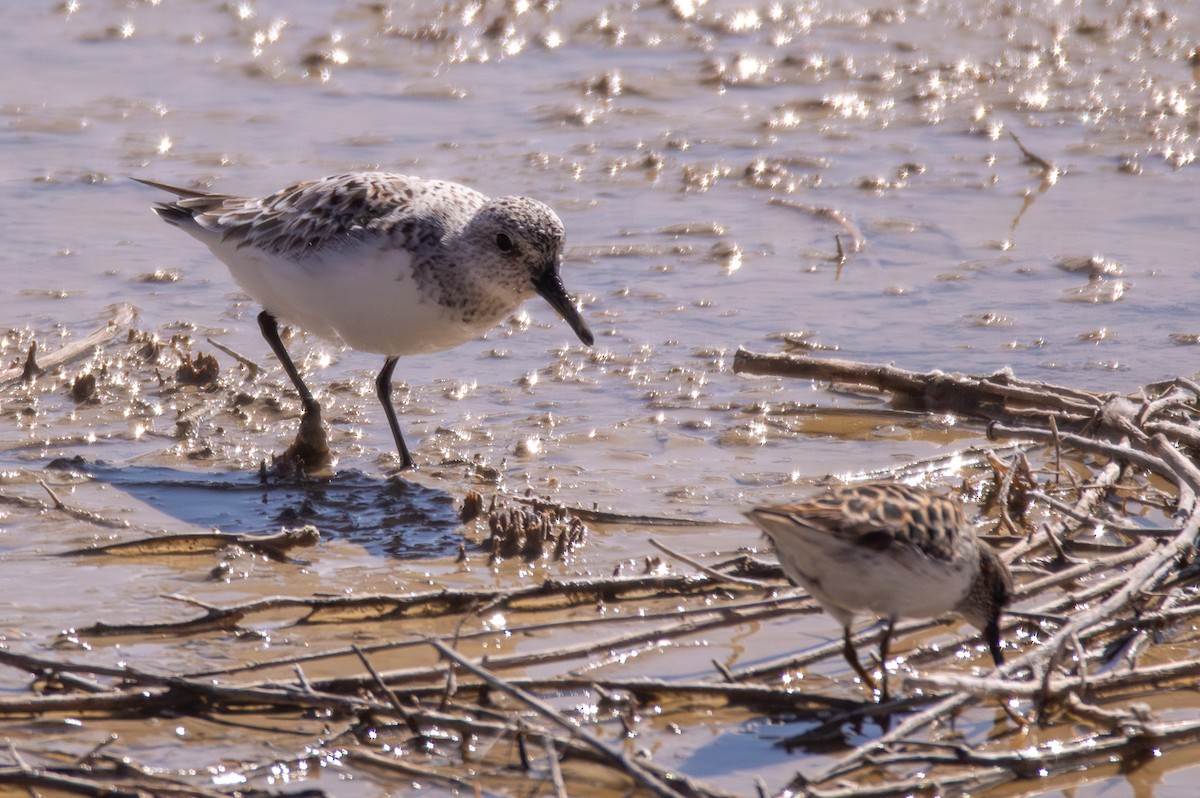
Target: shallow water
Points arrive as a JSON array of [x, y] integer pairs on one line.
[[685, 145]]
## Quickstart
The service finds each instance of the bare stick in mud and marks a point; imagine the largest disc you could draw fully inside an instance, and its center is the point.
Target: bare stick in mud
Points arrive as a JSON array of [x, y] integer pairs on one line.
[[120, 319]]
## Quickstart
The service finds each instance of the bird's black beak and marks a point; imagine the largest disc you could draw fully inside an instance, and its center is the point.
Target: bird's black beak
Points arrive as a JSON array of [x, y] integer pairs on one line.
[[550, 288]]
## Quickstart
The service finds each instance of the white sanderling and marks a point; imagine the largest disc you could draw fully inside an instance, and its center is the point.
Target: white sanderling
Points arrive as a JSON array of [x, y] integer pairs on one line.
[[891, 551], [384, 263]]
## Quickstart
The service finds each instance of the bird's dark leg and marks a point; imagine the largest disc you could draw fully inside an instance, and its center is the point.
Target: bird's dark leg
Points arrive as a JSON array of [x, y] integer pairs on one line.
[[383, 388], [885, 643], [852, 657], [270, 331], [311, 447], [992, 635]]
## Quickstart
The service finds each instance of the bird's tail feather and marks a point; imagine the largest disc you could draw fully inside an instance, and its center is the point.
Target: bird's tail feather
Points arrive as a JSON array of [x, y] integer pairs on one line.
[[178, 191], [171, 213]]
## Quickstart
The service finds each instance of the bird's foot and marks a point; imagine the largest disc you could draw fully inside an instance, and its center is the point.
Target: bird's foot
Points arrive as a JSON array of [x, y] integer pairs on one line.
[[399, 474], [309, 453], [397, 467], [876, 690]]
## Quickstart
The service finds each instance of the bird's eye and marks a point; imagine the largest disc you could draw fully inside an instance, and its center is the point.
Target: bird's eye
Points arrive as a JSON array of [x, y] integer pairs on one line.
[[504, 243]]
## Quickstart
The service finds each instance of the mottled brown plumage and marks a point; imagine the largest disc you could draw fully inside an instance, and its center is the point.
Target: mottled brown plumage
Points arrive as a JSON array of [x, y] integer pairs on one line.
[[891, 551]]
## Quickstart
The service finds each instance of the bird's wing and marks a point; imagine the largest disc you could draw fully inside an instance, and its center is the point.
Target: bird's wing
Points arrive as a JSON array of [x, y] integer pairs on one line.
[[298, 220], [875, 516]]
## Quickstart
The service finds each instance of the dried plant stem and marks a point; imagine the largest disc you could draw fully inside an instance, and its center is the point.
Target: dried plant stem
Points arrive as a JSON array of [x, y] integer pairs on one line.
[[655, 782]]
